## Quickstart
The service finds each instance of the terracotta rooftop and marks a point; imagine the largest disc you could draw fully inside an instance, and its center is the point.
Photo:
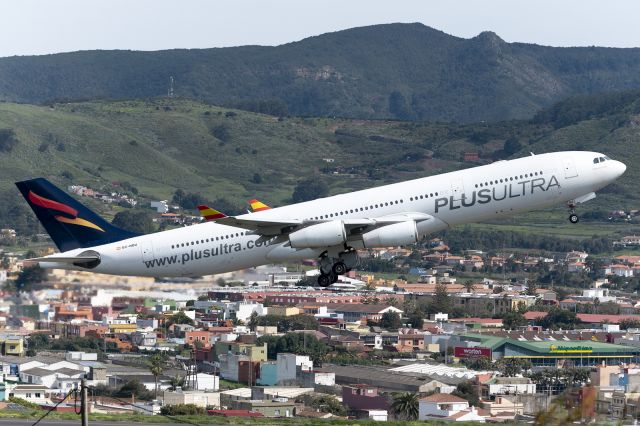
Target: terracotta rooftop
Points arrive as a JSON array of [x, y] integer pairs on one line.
[[442, 397]]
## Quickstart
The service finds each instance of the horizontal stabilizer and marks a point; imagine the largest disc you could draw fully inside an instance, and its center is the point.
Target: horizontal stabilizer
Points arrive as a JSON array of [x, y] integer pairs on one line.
[[65, 259], [210, 214]]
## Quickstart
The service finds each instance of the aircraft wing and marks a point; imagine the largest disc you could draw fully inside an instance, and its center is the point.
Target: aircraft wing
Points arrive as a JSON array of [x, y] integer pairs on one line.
[[271, 227]]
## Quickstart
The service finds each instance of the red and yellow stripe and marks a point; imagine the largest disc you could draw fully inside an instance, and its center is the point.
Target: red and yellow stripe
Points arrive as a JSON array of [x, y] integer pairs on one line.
[[210, 214], [258, 206]]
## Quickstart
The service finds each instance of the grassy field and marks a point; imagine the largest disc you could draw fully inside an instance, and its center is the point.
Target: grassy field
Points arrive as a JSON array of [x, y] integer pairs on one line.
[[160, 145], [204, 420]]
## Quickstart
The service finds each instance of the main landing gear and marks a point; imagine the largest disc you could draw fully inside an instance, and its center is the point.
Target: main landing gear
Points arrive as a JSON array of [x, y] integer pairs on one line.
[[573, 217], [331, 267]]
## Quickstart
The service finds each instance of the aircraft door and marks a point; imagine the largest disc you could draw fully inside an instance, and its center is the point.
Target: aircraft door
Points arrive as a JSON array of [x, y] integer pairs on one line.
[[146, 246], [569, 167], [457, 188]]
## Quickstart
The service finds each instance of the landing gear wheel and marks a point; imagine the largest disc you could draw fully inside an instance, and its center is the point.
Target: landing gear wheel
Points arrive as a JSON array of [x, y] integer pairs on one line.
[[324, 280], [334, 278], [573, 218], [339, 268]]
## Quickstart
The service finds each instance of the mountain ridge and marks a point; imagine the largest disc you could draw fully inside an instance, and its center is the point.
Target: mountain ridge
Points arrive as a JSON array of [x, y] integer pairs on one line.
[[400, 71]]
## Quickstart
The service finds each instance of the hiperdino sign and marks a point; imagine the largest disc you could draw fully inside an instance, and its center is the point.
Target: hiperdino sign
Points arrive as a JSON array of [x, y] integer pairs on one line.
[[570, 349]]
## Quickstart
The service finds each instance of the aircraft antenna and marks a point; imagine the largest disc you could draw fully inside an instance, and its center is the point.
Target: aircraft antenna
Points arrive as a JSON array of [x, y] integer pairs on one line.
[[170, 91]]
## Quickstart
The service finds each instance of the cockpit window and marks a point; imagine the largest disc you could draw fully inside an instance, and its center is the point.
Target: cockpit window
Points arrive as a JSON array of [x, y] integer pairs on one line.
[[596, 161], [602, 159]]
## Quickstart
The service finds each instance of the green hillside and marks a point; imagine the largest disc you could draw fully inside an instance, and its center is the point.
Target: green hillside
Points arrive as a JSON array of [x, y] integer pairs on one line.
[[402, 71], [161, 145]]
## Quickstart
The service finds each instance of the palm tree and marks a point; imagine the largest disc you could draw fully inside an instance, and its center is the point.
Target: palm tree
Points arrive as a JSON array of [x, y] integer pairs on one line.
[[176, 382], [156, 366], [469, 286], [405, 405], [392, 301]]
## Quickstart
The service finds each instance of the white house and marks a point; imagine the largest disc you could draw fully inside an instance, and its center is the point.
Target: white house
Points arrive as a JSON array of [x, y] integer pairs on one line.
[[442, 406], [52, 378], [160, 206], [36, 394], [240, 310], [287, 366], [207, 382], [199, 398]]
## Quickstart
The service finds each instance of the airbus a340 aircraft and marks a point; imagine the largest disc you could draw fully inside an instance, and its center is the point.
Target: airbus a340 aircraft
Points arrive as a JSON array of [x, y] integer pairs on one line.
[[328, 228]]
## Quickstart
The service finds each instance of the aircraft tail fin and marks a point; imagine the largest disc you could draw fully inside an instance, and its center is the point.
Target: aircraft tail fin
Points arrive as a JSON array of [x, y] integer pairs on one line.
[[70, 224], [210, 214]]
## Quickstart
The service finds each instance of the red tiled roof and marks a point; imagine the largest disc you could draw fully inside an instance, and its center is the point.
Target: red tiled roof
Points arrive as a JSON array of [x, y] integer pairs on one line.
[[442, 397], [611, 319], [479, 320], [532, 315]]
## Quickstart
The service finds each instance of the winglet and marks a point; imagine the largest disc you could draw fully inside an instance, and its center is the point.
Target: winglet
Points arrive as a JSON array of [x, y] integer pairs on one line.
[[210, 214], [258, 206]]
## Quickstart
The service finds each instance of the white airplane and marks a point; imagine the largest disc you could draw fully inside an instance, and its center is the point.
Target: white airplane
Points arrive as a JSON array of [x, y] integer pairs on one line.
[[328, 228]]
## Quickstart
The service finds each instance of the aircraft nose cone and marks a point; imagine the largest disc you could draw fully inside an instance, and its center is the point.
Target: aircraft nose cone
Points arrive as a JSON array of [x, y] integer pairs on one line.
[[620, 168]]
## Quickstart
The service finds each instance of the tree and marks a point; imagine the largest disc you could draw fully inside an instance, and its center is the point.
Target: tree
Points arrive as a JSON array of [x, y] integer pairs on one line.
[[156, 366], [416, 320], [558, 318], [179, 318], [8, 140], [134, 388], [298, 343], [257, 179], [478, 363], [182, 410], [531, 288], [469, 286], [441, 300], [467, 390], [390, 321], [222, 132], [135, 221], [405, 405], [188, 200], [628, 323], [176, 382], [398, 106], [510, 367], [513, 319], [309, 189], [329, 404], [391, 301], [511, 146], [28, 277]]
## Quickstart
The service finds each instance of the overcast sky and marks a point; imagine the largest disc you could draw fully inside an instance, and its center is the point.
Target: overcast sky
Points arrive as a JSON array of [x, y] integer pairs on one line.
[[48, 26]]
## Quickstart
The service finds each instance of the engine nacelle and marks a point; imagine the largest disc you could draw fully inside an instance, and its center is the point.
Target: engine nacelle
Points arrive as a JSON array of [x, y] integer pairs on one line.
[[397, 234], [322, 235]]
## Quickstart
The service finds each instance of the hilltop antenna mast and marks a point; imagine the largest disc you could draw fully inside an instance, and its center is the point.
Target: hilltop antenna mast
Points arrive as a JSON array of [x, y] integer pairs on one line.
[[170, 91]]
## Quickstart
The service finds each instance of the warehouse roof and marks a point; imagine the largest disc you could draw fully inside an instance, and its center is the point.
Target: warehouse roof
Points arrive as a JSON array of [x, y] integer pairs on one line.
[[547, 346]]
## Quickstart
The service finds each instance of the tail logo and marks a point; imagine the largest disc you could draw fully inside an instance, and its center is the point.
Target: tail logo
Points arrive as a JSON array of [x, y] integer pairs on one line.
[[54, 205]]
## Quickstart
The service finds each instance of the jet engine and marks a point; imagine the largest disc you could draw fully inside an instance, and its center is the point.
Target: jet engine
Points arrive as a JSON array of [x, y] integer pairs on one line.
[[325, 234], [397, 234]]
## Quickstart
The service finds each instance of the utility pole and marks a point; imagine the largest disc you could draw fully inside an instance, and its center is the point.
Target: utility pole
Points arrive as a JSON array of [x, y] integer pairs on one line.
[[84, 402]]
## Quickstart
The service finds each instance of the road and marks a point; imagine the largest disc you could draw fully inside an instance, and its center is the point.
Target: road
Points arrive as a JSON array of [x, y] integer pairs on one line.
[[45, 422]]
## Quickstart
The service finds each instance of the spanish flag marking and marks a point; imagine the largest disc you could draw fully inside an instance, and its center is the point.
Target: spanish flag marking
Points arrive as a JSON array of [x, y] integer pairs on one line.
[[258, 206], [210, 214]]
